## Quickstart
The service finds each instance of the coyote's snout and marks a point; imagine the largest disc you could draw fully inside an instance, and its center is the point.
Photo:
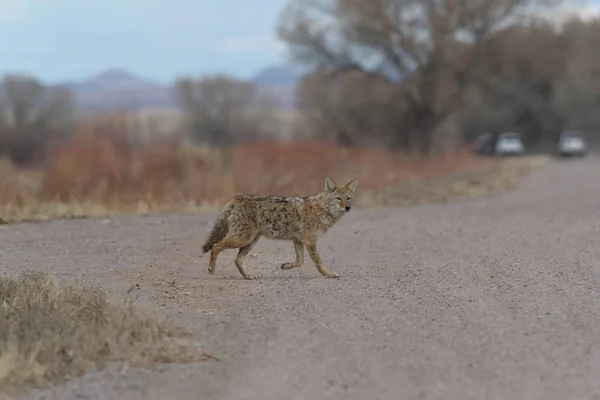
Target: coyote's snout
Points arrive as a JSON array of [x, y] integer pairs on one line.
[[244, 219]]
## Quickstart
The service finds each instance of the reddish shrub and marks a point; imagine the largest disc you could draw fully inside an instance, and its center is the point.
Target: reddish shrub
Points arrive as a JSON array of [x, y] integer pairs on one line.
[[91, 162], [98, 164]]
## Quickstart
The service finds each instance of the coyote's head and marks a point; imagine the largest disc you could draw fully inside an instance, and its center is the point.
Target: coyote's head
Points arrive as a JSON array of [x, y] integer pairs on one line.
[[340, 197]]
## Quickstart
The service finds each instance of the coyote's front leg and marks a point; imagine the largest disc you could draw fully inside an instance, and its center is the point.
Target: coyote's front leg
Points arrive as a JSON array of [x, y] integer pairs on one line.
[[299, 247], [311, 247]]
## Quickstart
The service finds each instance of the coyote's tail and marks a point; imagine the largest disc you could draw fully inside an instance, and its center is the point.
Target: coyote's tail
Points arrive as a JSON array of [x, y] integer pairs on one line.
[[219, 230]]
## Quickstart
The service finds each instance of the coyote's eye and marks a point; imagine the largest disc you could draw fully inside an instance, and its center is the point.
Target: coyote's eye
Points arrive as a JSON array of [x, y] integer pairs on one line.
[[338, 199]]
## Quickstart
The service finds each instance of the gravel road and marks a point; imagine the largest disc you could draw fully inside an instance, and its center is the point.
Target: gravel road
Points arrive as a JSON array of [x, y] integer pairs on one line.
[[495, 298]]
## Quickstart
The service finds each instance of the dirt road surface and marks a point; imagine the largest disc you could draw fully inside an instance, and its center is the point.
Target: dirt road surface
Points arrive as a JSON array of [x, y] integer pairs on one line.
[[495, 298]]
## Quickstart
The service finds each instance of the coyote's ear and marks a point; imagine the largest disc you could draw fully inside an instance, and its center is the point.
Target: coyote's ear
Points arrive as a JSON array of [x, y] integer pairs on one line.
[[329, 185], [352, 185]]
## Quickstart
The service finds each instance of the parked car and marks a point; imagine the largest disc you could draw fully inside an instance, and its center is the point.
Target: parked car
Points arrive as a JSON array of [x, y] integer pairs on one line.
[[572, 143], [503, 144], [509, 144]]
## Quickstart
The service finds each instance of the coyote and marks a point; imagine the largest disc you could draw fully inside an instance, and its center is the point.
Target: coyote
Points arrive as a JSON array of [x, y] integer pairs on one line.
[[244, 219]]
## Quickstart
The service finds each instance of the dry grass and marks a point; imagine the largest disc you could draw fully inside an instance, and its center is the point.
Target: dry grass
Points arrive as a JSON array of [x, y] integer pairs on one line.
[[51, 332], [493, 177], [97, 174]]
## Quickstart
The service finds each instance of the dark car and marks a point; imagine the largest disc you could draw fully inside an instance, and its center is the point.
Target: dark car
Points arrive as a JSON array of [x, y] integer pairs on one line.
[[503, 144]]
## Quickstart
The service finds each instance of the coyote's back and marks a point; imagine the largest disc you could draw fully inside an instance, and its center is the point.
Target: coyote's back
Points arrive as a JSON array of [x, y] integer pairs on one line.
[[244, 219]]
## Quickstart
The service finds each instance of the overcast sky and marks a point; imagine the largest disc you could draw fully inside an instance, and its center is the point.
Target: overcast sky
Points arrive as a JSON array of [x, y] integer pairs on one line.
[[61, 40], [73, 39]]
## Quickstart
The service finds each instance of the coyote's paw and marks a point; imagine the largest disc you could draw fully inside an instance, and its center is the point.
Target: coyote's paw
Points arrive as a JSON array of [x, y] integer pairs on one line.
[[287, 265], [211, 270], [333, 275]]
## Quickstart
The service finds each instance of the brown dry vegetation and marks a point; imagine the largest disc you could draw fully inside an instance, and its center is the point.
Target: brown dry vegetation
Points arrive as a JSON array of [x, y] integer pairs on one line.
[[98, 174], [51, 332]]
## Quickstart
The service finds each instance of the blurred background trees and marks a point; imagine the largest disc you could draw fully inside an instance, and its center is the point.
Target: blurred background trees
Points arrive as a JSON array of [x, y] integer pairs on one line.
[[417, 75], [32, 117], [222, 110], [370, 82]]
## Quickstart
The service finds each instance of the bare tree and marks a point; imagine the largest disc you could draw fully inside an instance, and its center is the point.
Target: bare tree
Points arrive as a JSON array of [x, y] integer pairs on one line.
[[220, 109], [539, 80], [519, 71], [428, 48], [578, 90], [27, 103], [352, 110], [33, 116]]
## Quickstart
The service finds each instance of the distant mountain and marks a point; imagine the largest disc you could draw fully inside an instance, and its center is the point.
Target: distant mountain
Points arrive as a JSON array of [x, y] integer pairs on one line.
[[277, 75], [116, 78], [279, 80], [118, 89]]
